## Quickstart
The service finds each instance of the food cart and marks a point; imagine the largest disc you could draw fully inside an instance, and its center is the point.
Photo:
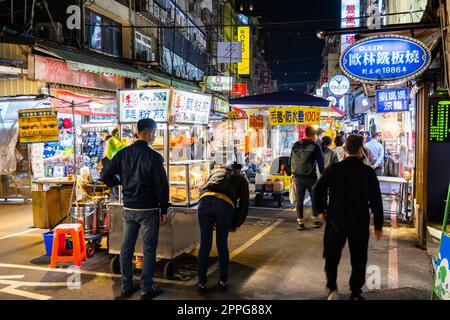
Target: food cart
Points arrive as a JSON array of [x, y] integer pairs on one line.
[[182, 118]]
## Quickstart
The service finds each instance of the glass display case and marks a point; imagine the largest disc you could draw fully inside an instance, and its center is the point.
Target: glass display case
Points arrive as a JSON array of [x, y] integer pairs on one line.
[[186, 179]]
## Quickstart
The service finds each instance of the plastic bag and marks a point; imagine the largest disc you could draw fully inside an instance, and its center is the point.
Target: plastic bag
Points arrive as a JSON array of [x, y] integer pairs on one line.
[[293, 196]]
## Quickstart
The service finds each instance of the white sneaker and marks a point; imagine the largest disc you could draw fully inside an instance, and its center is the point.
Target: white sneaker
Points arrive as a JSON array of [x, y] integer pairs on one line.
[[334, 295]]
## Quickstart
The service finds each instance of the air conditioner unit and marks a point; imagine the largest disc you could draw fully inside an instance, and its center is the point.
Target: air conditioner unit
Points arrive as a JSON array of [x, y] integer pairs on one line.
[[46, 31]]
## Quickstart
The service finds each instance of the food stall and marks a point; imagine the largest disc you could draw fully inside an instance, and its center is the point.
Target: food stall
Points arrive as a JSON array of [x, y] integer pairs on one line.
[[276, 123], [182, 119]]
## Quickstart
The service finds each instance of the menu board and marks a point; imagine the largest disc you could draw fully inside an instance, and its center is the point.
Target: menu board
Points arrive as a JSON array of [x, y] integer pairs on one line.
[[440, 121], [140, 104], [38, 125], [189, 107]]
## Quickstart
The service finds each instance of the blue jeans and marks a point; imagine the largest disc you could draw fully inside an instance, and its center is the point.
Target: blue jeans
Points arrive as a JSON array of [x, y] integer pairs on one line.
[[132, 222], [213, 211]]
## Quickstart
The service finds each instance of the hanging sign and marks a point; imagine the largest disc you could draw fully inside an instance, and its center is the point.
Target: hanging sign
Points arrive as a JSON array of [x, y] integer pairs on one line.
[[294, 116], [236, 114], [218, 83], [439, 121], [190, 107], [239, 89], [350, 18], [140, 104], [382, 59], [339, 85], [256, 121], [38, 125], [393, 100], [220, 105], [244, 37]]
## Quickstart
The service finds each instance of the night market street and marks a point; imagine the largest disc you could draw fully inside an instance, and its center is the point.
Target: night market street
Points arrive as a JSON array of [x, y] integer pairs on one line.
[[270, 259]]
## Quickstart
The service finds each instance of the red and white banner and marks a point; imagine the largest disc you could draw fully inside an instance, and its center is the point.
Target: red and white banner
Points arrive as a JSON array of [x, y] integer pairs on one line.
[[85, 105]]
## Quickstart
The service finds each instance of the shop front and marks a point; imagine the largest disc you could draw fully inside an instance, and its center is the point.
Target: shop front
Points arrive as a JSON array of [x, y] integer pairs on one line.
[[275, 122]]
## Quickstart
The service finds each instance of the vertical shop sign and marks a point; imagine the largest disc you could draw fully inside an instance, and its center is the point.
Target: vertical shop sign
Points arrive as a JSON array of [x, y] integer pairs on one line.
[[256, 121], [293, 116], [244, 37], [189, 107], [350, 16], [439, 121], [38, 125], [140, 104], [393, 100]]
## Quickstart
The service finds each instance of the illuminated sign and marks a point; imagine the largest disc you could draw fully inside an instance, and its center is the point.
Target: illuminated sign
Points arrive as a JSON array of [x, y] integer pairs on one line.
[[393, 100], [189, 107], [256, 121], [239, 89], [38, 125], [382, 59], [220, 105], [440, 121], [339, 85], [350, 16], [236, 114], [146, 103], [218, 83], [244, 37], [293, 116]]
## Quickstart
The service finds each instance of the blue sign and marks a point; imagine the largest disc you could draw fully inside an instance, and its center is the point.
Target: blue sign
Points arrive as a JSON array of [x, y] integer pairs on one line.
[[442, 276], [382, 59], [393, 100]]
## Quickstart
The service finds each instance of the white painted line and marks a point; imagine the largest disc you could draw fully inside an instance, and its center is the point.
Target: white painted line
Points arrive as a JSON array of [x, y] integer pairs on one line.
[[13, 290], [393, 257], [239, 250], [17, 234]]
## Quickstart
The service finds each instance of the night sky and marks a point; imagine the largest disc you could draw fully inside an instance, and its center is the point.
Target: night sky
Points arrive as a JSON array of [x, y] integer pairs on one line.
[[294, 51]]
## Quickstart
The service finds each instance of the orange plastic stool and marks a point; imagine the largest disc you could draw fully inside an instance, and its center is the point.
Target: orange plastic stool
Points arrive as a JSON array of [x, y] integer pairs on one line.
[[59, 251]]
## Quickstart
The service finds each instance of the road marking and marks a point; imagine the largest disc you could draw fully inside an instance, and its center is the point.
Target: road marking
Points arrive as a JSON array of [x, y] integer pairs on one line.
[[393, 258], [17, 234], [14, 291], [239, 250], [13, 285]]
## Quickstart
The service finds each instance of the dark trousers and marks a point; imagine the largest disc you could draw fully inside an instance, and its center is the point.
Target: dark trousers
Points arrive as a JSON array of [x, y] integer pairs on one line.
[[219, 213], [334, 242], [148, 222], [302, 184]]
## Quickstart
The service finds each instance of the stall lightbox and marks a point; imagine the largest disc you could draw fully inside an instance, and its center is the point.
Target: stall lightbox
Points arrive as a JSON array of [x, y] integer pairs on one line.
[[139, 104], [393, 100]]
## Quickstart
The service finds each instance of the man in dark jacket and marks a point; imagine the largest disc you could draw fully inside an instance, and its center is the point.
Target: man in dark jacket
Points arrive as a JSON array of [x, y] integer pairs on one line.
[[224, 206], [145, 203], [344, 194], [305, 155]]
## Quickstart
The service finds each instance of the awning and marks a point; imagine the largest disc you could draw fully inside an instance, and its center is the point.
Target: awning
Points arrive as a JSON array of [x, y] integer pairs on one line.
[[84, 61], [283, 98], [176, 83]]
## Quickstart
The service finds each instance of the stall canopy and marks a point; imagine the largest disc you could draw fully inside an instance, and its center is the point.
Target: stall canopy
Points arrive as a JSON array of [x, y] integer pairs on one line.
[[286, 98], [84, 61]]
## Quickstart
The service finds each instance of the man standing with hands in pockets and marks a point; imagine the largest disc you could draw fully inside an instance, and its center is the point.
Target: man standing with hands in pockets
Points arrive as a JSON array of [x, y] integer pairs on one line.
[[344, 194]]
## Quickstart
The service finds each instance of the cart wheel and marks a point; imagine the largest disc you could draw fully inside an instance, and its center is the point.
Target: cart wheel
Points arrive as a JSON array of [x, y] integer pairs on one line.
[[90, 249], [257, 199], [98, 243], [114, 265], [169, 270]]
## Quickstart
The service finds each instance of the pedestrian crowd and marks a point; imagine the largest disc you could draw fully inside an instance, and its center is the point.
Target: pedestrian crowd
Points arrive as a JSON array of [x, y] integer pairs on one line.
[[340, 177]]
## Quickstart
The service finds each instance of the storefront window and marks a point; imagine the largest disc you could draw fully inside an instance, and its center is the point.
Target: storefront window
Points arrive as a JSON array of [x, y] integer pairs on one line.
[[143, 47], [187, 143]]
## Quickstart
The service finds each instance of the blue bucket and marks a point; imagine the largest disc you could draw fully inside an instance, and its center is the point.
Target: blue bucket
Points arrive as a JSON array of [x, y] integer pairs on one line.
[[48, 242]]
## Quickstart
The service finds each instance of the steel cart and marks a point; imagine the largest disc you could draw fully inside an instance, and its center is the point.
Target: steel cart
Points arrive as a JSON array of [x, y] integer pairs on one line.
[[181, 234]]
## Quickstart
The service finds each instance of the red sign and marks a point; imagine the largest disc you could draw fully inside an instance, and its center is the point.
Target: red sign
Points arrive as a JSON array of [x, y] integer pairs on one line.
[[256, 121], [57, 71], [239, 89], [85, 105]]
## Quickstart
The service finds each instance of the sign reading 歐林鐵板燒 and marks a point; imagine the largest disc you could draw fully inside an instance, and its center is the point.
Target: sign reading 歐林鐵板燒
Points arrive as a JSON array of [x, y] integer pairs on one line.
[[383, 59]]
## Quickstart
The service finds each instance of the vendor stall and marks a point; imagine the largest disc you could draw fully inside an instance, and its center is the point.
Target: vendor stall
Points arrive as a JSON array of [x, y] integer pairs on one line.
[[275, 124]]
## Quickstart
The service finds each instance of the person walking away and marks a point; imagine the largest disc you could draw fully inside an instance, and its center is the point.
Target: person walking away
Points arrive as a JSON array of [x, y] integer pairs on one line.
[[344, 194], [339, 142], [305, 155], [330, 156], [223, 205], [145, 203], [376, 149], [319, 133]]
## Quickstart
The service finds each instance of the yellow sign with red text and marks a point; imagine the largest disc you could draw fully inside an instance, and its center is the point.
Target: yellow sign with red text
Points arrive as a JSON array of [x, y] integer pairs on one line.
[[286, 116]]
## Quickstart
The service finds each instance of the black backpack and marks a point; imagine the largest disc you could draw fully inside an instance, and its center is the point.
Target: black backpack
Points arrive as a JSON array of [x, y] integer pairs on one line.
[[302, 159]]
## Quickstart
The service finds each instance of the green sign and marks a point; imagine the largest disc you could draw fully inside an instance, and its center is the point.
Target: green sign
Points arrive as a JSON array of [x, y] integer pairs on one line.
[[440, 121]]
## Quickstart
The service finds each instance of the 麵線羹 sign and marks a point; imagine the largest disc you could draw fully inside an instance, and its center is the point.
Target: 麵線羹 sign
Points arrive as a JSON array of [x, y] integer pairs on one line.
[[384, 59], [38, 125], [293, 116]]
